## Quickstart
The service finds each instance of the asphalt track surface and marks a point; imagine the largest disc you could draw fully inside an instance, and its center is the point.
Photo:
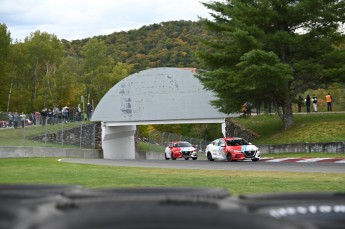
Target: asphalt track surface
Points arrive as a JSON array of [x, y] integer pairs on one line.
[[203, 164]]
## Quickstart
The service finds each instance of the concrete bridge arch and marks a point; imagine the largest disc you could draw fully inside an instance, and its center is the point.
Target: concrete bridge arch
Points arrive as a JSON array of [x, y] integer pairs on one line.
[[153, 96]]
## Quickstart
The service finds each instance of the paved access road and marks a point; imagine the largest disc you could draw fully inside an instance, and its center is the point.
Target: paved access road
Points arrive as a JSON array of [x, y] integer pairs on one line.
[[322, 167]]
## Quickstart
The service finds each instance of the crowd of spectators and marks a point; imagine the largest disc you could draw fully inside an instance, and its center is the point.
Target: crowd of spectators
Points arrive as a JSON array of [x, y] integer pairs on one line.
[[49, 116]]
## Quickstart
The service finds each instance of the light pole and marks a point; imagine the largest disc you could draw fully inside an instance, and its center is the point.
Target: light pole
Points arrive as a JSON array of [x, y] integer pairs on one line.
[[9, 97]]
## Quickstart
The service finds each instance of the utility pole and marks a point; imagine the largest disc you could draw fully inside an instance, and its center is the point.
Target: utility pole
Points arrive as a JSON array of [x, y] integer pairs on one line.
[[82, 100], [9, 96]]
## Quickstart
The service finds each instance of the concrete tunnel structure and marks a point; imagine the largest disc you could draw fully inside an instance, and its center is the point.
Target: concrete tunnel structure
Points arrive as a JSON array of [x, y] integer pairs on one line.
[[153, 96]]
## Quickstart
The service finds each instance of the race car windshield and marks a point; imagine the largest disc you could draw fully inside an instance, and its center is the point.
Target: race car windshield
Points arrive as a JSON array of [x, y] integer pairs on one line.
[[182, 144], [236, 142]]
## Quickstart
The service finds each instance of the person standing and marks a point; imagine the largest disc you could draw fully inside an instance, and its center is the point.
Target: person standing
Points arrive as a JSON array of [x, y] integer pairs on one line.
[[329, 102], [89, 111], [315, 103], [38, 118], [22, 119], [32, 118], [10, 119], [44, 116], [307, 103], [56, 112], [64, 113], [79, 113], [15, 120], [50, 117], [71, 114]]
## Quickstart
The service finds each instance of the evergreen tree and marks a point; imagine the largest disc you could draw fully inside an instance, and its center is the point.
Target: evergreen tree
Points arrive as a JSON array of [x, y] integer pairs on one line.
[[271, 50]]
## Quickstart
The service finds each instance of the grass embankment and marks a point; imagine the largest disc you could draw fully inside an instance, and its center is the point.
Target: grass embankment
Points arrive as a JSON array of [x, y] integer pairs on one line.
[[313, 127], [21, 136], [50, 171]]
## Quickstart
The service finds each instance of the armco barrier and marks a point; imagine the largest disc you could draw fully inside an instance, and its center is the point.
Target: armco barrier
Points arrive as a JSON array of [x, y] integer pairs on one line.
[[22, 151], [325, 147]]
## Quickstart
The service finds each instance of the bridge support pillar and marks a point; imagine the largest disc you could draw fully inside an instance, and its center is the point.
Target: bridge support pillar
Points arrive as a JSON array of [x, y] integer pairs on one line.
[[118, 142]]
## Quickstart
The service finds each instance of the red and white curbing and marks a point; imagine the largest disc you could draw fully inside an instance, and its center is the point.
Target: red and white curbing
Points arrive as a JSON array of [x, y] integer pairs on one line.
[[304, 160]]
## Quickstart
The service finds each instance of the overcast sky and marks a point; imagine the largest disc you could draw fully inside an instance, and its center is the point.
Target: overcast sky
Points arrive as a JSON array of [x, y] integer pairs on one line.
[[77, 19]]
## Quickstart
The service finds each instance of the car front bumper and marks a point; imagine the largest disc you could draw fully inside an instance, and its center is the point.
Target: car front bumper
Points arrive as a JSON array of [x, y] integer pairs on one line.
[[237, 156], [188, 154]]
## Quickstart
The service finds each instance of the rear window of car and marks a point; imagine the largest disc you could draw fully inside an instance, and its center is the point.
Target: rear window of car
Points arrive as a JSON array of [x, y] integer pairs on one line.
[[236, 142]]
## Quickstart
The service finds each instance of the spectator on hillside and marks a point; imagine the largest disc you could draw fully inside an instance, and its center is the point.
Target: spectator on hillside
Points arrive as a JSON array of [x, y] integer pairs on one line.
[[38, 118], [79, 110], [89, 111], [307, 103], [56, 112], [10, 119], [44, 116], [15, 120], [247, 108], [50, 117], [22, 119], [315, 103], [64, 113], [71, 114], [32, 118], [329, 101]]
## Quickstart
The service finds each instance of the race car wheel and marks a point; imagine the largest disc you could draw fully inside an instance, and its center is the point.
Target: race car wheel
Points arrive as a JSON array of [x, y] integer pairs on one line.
[[228, 156], [186, 158], [172, 156], [165, 155], [209, 157], [256, 159], [194, 158]]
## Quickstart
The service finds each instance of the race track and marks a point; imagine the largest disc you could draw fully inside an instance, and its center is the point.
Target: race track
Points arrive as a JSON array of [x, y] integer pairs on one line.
[[264, 165]]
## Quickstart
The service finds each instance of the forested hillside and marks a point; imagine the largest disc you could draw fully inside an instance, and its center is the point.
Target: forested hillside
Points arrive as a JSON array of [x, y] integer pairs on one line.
[[44, 71], [168, 44]]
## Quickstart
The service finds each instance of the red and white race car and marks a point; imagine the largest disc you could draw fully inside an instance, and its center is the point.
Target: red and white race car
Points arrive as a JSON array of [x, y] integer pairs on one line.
[[180, 149], [231, 149]]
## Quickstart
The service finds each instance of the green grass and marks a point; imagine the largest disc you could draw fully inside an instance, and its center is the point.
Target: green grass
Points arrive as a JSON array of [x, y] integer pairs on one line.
[[50, 171], [325, 127]]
